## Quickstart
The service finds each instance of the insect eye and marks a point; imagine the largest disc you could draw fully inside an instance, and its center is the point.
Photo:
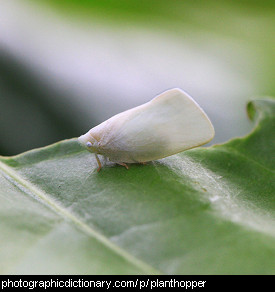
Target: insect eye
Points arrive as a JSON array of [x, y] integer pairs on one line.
[[89, 144]]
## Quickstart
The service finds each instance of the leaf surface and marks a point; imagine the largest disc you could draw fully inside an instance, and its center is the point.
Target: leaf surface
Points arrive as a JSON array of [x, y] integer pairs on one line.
[[204, 211]]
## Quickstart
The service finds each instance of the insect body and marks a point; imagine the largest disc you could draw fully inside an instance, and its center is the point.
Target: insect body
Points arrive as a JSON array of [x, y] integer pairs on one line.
[[170, 123]]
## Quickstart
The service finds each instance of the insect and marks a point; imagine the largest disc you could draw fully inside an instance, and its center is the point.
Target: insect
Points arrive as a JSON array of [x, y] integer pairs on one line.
[[170, 123]]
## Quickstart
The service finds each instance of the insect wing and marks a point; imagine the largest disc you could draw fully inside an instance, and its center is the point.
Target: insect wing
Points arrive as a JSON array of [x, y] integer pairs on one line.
[[170, 123]]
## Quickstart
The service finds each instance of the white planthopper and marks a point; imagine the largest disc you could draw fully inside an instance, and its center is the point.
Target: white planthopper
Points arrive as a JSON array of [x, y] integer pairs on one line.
[[170, 123]]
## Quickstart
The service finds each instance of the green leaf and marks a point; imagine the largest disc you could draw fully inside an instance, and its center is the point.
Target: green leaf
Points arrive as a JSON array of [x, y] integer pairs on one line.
[[204, 211]]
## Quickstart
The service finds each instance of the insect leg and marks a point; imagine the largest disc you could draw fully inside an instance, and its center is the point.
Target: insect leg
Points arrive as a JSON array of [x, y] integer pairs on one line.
[[98, 162], [123, 164]]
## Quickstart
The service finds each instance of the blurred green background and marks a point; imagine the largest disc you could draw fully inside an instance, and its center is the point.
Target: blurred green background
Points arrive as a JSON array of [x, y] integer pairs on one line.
[[66, 66]]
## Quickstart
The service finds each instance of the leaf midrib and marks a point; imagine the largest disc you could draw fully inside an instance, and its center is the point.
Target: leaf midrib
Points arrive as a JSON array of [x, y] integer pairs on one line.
[[61, 211]]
